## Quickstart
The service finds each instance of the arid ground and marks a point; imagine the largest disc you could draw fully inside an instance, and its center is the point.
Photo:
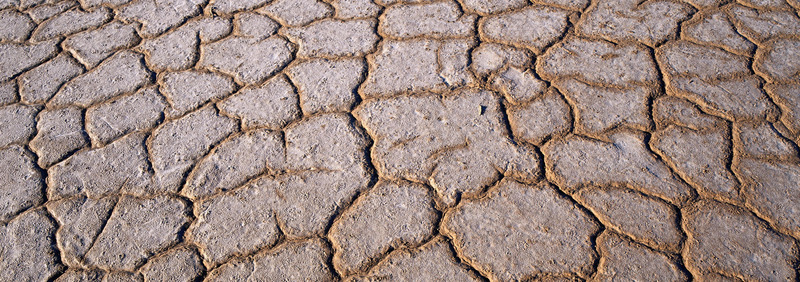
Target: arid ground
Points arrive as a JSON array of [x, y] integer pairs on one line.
[[399, 140]]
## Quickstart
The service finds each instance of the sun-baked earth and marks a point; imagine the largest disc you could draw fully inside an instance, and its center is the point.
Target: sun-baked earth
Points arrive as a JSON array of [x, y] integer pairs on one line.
[[399, 140]]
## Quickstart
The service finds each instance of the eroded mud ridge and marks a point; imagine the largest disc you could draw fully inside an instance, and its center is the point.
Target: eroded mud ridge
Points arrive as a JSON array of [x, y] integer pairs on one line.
[[451, 140]]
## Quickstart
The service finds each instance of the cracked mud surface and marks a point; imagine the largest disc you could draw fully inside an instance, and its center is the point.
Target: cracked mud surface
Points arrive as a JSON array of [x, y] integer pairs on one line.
[[409, 140]]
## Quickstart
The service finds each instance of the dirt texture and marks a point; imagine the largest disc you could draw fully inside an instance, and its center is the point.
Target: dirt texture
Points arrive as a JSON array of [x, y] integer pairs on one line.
[[399, 140]]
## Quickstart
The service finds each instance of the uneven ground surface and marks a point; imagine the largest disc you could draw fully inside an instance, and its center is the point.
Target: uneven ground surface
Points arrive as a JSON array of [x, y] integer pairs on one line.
[[285, 140]]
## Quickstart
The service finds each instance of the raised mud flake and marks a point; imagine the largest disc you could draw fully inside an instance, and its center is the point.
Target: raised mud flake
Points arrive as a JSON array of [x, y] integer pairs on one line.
[[16, 25], [230, 6], [81, 219], [458, 142], [540, 119], [235, 161], [69, 22], [762, 25], [672, 110], [417, 65], [351, 9], [251, 24], [137, 229], [327, 85], [650, 22], [490, 57], [598, 109], [93, 46], [433, 261], [115, 118], [533, 27], [334, 38], [700, 156], [388, 216], [575, 161], [297, 12], [625, 260], [177, 49], [178, 144], [726, 239], [293, 261], [187, 90], [17, 123], [120, 166], [123, 73], [273, 104], [438, 19], [157, 16], [787, 96], [598, 61], [517, 85], [21, 182], [715, 28], [42, 82], [771, 187], [59, 132], [762, 140], [18, 57], [649, 221], [779, 60], [239, 222], [250, 60], [518, 231], [182, 264], [26, 246], [492, 6]]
